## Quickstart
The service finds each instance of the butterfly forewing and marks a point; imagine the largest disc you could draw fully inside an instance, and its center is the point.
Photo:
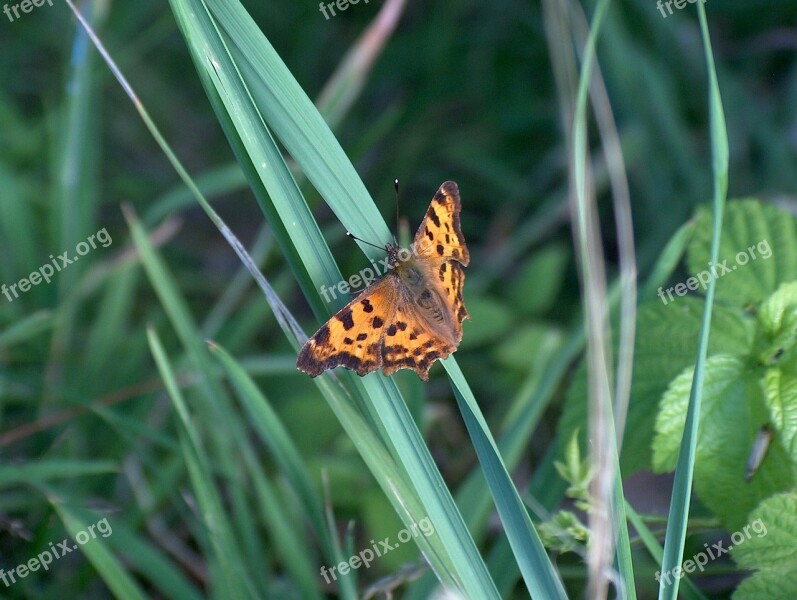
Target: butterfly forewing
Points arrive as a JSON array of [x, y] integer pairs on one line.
[[440, 233], [353, 337]]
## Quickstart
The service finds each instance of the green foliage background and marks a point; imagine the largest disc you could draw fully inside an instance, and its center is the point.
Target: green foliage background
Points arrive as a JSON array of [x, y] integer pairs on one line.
[[464, 91]]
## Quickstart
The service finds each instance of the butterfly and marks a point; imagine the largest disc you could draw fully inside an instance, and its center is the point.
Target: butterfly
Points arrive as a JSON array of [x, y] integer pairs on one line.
[[413, 315]]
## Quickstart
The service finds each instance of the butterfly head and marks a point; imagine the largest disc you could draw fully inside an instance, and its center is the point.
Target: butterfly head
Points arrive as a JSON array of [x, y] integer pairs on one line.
[[396, 255]]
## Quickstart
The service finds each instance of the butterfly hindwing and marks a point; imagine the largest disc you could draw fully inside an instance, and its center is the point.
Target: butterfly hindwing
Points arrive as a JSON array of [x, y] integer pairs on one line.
[[353, 337], [409, 344]]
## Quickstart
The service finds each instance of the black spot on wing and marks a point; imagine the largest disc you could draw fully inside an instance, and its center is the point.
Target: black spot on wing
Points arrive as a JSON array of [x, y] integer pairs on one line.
[[433, 217], [377, 323], [362, 337], [367, 305], [345, 317], [322, 335]]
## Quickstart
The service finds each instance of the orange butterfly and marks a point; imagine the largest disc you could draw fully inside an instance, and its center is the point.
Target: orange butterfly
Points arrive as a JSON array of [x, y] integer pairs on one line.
[[413, 315]]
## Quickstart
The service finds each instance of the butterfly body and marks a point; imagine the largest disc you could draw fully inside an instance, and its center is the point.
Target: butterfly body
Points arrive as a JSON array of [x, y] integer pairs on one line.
[[413, 315]]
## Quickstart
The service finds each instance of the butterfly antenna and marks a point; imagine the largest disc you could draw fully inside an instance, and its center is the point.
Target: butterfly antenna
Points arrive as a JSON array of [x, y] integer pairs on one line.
[[395, 186], [354, 237]]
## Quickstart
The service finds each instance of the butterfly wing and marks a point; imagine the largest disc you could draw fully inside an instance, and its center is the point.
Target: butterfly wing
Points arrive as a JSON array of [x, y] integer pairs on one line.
[[409, 343], [440, 234], [441, 254], [353, 337], [427, 325]]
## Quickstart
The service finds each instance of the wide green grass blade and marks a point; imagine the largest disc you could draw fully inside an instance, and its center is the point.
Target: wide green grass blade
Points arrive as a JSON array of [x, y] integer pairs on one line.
[[541, 578], [678, 517]]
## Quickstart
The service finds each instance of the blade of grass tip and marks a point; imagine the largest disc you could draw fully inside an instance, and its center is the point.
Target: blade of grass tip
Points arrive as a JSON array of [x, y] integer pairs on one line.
[[233, 581], [690, 591], [684, 471], [113, 573], [538, 572]]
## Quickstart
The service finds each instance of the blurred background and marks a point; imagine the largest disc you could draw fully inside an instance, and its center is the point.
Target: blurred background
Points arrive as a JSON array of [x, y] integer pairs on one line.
[[462, 90]]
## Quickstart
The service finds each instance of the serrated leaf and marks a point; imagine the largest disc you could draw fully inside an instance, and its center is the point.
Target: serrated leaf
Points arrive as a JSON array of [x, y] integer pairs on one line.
[[666, 344], [777, 318], [767, 585], [733, 411], [747, 224], [780, 395], [770, 548]]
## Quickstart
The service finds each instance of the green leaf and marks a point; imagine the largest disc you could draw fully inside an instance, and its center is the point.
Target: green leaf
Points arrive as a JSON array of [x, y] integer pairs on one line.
[[768, 544], [665, 346], [759, 235], [732, 412], [780, 395], [777, 318]]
